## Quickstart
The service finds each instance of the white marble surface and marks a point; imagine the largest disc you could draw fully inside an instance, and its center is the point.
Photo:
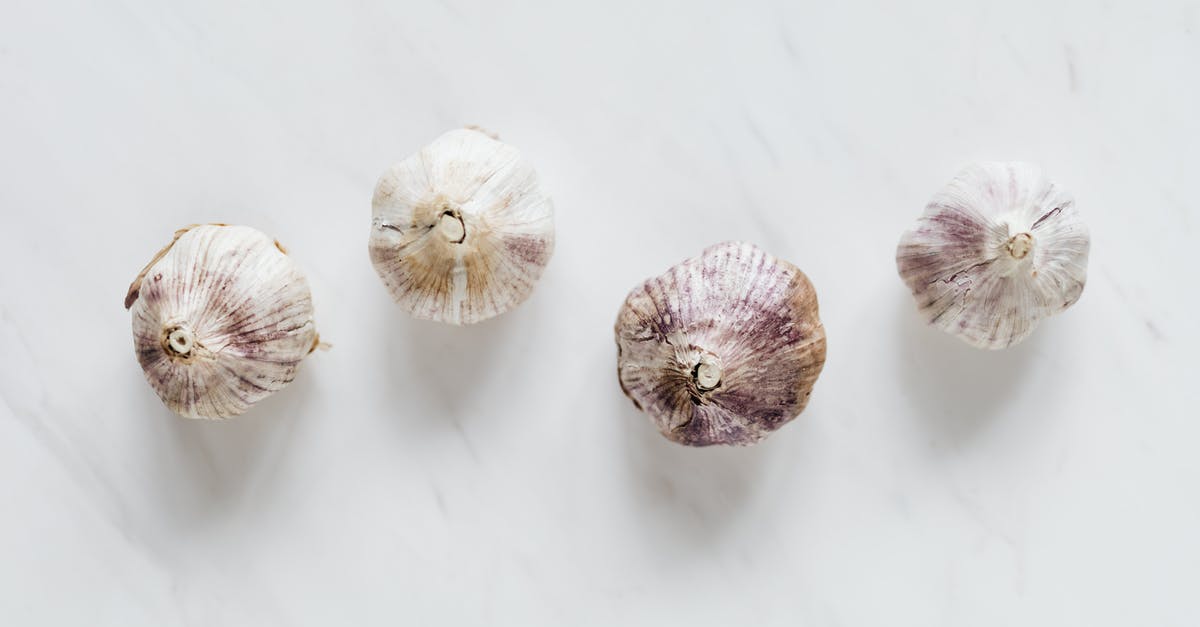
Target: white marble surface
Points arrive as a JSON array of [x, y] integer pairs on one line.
[[423, 475]]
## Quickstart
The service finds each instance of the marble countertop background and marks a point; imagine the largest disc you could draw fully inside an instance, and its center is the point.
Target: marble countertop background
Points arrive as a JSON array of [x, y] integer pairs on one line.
[[417, 474]]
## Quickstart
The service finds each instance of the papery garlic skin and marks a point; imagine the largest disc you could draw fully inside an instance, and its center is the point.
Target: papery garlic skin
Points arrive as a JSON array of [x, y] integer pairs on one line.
[[222, 318], [461, 231], [723, 348], [997, 250]]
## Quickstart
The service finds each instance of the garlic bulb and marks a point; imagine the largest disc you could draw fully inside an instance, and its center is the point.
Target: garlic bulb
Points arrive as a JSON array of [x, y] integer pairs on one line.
[[723, 348], [461, 230], [221, 320], [997, 250]]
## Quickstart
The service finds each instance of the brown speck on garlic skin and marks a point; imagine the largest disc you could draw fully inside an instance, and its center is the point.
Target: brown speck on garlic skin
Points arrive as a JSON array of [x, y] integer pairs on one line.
[[997, 250], [222, 318], [461, 231], [723, 348]]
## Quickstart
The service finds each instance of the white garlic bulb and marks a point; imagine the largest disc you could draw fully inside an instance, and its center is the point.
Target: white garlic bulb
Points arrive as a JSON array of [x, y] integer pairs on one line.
[[997, 250], [461, 230], [721, 349], [221, 319]]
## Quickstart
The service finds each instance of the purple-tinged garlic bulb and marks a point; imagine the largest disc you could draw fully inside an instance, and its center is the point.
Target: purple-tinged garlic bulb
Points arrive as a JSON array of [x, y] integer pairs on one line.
[[222, 318], [723, 348], [997, 250], [461, 230]]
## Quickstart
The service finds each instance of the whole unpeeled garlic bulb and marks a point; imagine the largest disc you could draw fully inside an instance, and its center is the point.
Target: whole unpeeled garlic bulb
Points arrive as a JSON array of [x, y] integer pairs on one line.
[[461, 230], [723, 348], [221, 319], [997, 250]]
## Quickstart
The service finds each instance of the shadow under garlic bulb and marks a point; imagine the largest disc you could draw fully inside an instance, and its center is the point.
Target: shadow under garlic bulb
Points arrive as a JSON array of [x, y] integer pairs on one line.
[[997, 250], [222, 319], [461, 230], [723, 348]]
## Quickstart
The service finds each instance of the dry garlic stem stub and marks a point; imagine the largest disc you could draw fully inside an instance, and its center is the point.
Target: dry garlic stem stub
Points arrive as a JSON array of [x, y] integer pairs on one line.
[[221, 320], [723, 348], [461, 230], [996, 251]]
